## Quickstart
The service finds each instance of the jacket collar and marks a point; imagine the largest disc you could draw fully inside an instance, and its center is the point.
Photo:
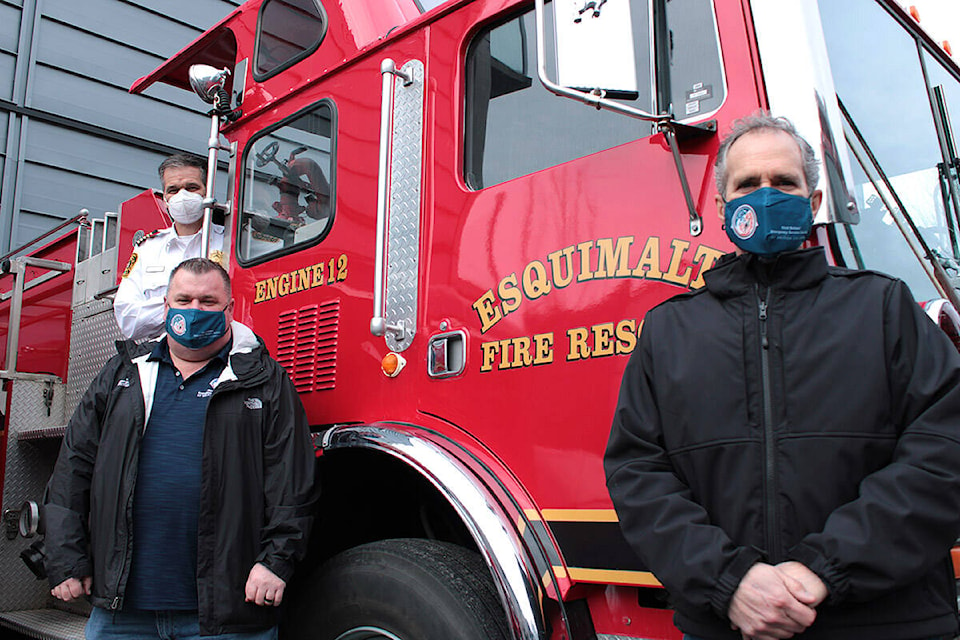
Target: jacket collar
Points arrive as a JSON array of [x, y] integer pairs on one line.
[[245, 363], [788, 271]]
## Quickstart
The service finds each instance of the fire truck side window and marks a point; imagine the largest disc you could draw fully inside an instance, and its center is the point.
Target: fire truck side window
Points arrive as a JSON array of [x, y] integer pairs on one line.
[[878, 76], [515, 127], [697, 85], [288, 189], [287, 31]]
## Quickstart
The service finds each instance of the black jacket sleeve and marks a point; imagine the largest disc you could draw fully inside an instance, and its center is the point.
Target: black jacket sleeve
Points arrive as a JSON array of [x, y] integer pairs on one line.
[[696, 561], [67, 499], [907, 514], [290, 486]]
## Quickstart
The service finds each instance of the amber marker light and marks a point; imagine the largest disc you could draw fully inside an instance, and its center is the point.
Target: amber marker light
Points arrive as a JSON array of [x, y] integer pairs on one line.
[[946, 47], [392, 364], [914, 13]]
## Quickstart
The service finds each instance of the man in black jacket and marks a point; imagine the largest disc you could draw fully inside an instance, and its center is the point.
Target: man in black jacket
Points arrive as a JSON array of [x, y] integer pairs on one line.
[[784, 453], [182, 497]]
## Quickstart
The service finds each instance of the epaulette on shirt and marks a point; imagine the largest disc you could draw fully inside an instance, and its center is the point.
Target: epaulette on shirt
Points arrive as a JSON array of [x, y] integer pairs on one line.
[[133, 256], [152, 234]]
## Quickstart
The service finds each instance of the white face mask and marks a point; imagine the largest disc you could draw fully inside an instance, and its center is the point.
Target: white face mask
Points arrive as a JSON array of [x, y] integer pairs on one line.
[[185, 207]]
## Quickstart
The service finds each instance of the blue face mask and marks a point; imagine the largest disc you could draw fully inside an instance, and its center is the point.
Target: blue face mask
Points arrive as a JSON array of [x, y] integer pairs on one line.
[[195, 328], [768, 221]]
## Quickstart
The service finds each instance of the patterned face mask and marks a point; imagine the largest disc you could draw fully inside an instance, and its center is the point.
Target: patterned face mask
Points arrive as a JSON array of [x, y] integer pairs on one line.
[[768, 221], [195, 328]]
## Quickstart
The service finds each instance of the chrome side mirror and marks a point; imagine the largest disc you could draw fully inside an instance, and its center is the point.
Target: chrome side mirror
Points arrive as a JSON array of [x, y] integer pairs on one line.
[[206, 81]]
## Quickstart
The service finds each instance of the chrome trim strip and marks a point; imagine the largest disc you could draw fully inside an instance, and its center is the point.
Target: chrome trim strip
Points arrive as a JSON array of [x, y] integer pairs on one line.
[[499, 544]]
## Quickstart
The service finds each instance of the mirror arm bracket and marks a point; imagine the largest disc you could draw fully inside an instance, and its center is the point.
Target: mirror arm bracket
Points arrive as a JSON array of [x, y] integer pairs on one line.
[[668, 128]]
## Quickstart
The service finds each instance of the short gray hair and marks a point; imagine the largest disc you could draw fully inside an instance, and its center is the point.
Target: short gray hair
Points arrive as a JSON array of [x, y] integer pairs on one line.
[[180, 160], [763, 121]]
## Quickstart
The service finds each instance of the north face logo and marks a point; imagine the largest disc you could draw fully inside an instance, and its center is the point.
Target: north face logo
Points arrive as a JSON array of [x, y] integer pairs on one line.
[[253, 403]]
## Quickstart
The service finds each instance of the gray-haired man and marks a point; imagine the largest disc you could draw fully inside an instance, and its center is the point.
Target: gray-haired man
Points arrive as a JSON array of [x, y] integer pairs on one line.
[[784, 451]]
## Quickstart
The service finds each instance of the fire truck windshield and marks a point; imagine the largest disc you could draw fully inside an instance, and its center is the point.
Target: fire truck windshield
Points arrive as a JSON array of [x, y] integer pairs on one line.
[[880, 84]]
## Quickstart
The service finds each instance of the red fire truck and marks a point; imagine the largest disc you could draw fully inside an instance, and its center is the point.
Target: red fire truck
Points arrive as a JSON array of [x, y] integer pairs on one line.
[[447, 222]]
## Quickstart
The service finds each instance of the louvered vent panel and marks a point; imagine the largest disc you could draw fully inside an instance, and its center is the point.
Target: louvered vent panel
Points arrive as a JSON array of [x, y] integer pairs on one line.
[[307, 345]]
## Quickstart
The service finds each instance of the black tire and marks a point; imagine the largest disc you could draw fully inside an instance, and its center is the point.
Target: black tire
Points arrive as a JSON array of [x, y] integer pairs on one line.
[[403, 589]]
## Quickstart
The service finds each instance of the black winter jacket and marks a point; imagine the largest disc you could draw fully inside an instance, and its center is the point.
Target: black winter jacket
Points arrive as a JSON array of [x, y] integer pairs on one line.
[[794, 411], [256, 493]]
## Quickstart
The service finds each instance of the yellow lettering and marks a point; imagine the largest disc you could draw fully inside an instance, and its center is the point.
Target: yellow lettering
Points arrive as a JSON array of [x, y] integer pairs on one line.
[[504, 361], [509, 294], [543, 348], [579, 350], [261, 292], [490, 350], [584, 249], [521, 352], [673, 271], [706, 257], [649, 265], [272, 288], [610, 256], [602, 339], [557, 268], [626, 336], [284, 284], [317, 275], [304, 278], [342, 267], [535, 282], [488, 311]]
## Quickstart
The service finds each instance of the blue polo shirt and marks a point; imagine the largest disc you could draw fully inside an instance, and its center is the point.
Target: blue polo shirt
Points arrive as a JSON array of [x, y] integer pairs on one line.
[[166, 499]]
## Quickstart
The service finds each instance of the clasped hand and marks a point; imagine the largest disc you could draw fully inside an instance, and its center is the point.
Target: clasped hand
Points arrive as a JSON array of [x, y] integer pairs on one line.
[[774, 602]]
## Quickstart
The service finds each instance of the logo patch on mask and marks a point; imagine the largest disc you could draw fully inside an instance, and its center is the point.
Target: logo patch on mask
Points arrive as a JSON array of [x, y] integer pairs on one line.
[[178, 324], [744, 222], [253, 403]]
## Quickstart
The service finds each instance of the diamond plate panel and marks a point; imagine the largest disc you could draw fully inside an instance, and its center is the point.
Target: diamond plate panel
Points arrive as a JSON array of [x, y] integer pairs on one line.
[[403, 241], [46, 624], [92, 338], [28, 467]]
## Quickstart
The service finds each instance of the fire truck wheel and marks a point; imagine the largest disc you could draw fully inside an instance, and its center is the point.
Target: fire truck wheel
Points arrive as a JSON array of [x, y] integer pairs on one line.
[[402, 589]]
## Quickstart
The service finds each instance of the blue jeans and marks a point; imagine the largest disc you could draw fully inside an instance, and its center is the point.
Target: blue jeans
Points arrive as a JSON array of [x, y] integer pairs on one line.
[[163, 625]]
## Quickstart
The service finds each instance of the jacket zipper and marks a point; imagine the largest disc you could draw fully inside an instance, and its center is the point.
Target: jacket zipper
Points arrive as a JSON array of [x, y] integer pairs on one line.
[[128, 519], [769, 443], [128, 510]]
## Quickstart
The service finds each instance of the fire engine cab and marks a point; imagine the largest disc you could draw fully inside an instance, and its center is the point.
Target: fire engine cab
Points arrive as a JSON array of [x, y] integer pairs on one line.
[[447, 221]]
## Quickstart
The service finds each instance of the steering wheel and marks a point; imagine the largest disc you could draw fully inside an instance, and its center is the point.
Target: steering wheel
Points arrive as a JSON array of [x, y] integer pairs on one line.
[[268, 155]]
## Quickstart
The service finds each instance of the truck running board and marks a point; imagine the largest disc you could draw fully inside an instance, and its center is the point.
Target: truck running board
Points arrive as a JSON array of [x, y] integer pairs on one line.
[[45, 624]]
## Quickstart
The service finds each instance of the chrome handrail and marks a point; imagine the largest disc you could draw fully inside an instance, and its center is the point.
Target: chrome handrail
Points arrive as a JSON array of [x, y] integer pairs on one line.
[[378, 323]]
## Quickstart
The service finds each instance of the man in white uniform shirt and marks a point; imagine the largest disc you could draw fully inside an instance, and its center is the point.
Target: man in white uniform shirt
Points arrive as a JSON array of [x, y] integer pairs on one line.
[[138, 305]]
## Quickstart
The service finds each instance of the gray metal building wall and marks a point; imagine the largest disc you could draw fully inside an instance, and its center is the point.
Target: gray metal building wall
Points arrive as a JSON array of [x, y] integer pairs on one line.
[[71, 136]]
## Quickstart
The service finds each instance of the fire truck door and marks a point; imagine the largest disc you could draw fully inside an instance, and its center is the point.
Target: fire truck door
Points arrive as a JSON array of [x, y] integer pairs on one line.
[[398, 204]]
